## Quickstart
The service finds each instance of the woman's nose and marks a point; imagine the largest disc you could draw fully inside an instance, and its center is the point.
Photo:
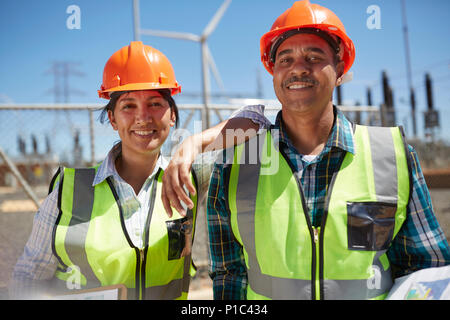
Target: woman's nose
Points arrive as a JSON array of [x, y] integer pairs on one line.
[[144, 115]]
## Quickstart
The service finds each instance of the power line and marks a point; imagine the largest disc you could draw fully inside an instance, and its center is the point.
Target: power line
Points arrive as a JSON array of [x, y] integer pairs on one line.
[[61, 70], [442, 64]]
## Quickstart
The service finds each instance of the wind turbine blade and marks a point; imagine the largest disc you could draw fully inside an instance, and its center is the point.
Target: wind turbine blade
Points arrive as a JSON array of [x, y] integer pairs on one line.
[[215, 19], [171, 34], [214, 69]]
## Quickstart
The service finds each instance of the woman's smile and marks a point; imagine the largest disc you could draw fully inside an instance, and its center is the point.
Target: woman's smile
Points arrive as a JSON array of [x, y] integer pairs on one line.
[[143, 120]]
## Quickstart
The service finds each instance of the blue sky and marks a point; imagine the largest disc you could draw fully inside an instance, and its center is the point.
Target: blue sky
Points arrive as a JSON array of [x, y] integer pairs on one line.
[[34, 34]]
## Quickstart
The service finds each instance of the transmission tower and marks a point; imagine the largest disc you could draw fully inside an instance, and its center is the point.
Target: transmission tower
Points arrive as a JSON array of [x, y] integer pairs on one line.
[[61, 70]]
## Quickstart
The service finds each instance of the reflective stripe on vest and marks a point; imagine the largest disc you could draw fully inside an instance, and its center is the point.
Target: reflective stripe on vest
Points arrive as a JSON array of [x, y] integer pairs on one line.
[[94, 249], [276, 219]]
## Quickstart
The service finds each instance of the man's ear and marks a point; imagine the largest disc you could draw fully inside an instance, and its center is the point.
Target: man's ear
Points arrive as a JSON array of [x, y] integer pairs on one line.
[[112, 119]]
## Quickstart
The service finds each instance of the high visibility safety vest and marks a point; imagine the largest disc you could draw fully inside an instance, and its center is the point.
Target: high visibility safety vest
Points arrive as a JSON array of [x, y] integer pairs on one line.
[[94, 249], [345, 258]]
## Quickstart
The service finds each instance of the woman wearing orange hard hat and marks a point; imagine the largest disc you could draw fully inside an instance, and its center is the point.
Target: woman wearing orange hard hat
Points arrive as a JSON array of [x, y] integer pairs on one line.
[[106, 226]]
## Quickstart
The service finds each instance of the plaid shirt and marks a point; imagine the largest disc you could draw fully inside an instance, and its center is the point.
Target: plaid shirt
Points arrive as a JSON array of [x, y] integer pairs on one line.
[[419, 244]]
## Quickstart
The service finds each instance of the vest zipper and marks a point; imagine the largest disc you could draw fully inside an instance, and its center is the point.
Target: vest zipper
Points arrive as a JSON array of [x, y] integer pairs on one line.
[[140, 258], [316, 235], [143, 253], [317, 278], [312, 231], [141, 272], [322, 227]]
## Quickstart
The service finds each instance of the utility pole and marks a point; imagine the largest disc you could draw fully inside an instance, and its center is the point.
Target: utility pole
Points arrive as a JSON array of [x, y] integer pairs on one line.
[[371, 120], [387, 108], [357, 116], [259, 85], [408, 69], [429, 89], [136, 21], [369, 96], [339, 95], [431, 115]]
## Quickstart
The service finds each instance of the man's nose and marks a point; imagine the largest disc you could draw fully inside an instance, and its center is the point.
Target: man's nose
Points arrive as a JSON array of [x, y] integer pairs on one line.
[[300, 67]]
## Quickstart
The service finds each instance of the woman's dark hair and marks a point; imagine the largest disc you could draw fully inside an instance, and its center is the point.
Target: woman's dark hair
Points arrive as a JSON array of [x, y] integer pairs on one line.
[[165, 93]]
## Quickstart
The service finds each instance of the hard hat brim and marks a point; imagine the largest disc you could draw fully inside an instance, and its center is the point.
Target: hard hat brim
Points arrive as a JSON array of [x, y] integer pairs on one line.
[[140, 86]]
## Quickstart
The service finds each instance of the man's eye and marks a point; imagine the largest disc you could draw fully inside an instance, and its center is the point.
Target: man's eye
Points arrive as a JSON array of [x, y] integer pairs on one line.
[[283, 60], [314, 59]]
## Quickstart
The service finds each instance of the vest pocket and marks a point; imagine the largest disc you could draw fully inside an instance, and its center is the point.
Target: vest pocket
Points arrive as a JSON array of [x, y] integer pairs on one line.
[[370, 225], [179, 232]]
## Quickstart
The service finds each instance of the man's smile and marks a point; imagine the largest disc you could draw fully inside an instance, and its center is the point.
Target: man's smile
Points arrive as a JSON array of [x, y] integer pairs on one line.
[[296, 83]]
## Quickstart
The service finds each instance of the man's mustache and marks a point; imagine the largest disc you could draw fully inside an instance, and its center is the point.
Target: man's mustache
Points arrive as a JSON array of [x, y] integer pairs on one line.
[[299, 79]]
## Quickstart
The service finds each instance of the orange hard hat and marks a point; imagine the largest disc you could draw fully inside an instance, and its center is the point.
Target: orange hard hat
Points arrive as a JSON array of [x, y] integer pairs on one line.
[[311, 18], [138, 67]]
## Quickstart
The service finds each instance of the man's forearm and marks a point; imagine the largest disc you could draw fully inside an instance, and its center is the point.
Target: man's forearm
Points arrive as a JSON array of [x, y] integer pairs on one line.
[[224, 135]]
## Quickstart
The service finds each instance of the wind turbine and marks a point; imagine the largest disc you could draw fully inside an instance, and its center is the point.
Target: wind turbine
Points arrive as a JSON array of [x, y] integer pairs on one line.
[[207, 58]]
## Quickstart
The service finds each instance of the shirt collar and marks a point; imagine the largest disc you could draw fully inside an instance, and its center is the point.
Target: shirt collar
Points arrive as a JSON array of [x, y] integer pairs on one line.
[[108, 168], [341, 135]]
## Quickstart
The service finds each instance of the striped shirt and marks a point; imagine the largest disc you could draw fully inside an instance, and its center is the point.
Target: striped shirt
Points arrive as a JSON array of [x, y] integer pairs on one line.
[[419, 244]]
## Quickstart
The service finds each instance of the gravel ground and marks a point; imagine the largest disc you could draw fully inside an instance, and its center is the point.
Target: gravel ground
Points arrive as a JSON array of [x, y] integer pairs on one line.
[[15, 227]]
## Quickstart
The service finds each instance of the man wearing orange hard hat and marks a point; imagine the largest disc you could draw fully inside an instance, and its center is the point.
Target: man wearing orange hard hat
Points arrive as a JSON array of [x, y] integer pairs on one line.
[[306, 18], [329, 209]]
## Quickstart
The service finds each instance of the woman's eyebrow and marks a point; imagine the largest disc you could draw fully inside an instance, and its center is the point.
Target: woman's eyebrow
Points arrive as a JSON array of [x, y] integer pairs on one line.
[[126, 99], [153, 97]]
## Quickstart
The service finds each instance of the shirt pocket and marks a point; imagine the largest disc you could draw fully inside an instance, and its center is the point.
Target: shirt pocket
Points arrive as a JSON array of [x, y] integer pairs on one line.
[[179, 232], [370, 225]]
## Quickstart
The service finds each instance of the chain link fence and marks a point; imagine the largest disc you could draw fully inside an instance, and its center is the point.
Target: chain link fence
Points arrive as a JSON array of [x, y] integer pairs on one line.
[[37, 139]]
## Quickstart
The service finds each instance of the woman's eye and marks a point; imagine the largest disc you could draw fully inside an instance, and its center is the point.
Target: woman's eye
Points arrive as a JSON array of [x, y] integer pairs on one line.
[[157, 103]]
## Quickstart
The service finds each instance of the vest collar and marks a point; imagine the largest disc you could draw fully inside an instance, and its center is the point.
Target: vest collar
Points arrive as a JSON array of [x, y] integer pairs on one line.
[[107, 168], [341, 135]]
